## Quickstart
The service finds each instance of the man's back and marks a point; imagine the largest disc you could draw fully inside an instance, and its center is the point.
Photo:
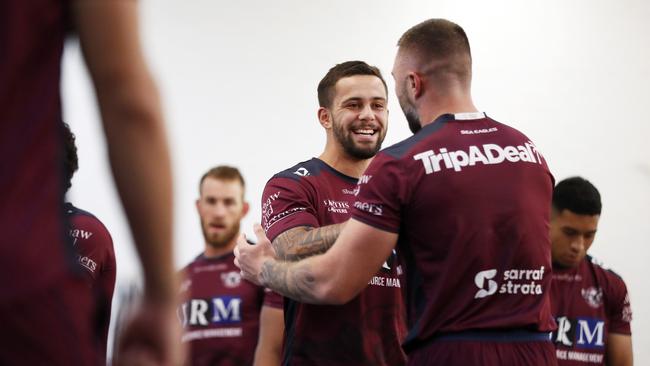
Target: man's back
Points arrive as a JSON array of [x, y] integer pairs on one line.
[[469, 197]]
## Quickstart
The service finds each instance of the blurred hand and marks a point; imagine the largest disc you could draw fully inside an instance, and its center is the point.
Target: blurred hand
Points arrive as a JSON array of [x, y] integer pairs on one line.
[[152, 336], [250, 258]]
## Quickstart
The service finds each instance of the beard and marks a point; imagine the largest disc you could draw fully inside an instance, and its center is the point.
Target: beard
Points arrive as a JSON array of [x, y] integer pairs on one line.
[[361, 152], [220, 240], [410, 112], [413, 119]]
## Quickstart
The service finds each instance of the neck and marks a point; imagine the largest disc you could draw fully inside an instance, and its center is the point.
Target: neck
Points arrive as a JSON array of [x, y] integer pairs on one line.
[[344, 163], [454, 101], [212, 252]]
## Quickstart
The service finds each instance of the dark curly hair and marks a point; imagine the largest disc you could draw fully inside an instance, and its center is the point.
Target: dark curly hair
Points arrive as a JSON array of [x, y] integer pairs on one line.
[[71, 161]]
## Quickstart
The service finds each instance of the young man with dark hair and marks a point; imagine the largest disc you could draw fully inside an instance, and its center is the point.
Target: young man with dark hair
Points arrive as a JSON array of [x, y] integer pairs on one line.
[[467, 202], [299, 203], [221, 313], [37, 266], [590, 303], [94, 250]]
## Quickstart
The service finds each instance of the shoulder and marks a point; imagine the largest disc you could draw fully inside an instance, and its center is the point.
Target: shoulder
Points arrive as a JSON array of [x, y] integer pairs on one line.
[[606, 275], [300, 171], [83, 220]]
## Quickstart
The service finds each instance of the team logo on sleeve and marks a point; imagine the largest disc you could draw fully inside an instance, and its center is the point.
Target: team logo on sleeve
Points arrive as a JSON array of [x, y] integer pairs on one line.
[[627, 310], [593, 296], [231, 279]]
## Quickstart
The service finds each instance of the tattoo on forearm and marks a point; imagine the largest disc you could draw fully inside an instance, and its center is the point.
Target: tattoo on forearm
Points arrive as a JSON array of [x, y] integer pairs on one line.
[[302, 242], [294, 280]]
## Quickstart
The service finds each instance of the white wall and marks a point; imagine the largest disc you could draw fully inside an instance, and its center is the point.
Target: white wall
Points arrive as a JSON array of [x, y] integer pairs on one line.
[[239, 83]]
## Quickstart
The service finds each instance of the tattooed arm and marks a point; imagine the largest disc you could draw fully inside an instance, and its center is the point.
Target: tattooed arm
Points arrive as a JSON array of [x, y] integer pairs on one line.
[[303, 241], [334, 277]]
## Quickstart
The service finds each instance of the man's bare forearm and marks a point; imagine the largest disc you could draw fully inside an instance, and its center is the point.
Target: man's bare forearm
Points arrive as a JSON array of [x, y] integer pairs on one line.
[[302, 242], [294, 280]]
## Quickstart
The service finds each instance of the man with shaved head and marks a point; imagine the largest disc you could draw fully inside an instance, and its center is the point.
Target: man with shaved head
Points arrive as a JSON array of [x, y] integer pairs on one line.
[[466, 200]]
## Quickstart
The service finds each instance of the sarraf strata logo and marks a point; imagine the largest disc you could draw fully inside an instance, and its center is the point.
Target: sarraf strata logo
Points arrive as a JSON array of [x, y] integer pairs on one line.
[[513, 282]]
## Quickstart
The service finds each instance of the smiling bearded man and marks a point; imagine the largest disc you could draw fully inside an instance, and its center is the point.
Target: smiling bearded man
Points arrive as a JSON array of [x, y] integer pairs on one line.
[[301, 201]]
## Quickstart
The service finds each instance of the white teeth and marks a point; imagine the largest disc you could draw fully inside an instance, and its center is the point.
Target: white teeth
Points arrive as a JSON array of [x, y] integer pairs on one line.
[[365, 132]]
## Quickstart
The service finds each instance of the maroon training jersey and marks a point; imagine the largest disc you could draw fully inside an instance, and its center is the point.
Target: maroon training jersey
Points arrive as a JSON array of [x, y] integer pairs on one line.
[[470, 199], [588, 302], [220, 314], [31, 170], [96, 256], [369, 329]]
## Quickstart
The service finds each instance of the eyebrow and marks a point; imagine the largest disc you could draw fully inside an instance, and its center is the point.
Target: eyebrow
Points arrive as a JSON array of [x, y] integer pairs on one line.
[[360, 99]]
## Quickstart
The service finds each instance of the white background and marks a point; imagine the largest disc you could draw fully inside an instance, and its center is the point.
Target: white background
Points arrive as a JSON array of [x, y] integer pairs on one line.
[[239, 81]]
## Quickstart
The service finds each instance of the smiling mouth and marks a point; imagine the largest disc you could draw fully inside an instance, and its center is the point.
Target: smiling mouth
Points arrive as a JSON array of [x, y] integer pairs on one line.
[[364, 132]]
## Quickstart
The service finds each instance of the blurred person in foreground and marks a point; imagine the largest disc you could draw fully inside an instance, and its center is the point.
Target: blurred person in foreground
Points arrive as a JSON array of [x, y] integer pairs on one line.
[[38, 266]]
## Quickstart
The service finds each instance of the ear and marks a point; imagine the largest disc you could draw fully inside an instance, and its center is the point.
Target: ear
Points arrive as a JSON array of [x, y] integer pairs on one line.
[[324, 118], [415, 84], [245, 209], [198, 205]]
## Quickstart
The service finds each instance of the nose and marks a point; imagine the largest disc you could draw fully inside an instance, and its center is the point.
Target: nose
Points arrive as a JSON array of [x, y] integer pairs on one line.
[[366, 113], [578, 244], [219, 210]]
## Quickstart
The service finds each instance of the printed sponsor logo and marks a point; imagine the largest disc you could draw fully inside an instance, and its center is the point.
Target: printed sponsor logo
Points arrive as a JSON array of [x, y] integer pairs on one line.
[[268, 219], [364, 179], [301, 172], [351, 191], [580, 333], [267, 206], [212, 333], [205, 312], [593, 296], [336, 206], [375, 209], [487, 154], [513, 282], [479, 280], [563, 354], [478, 131], [231, 279], [384, 282], [76, 234], [87, 263], [210, 268], [567, 277]]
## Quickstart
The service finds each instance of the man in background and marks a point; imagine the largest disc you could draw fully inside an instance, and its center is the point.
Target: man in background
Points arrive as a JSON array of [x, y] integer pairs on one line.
[[221, 312], [590, 302], [94, 249], [38, 267]]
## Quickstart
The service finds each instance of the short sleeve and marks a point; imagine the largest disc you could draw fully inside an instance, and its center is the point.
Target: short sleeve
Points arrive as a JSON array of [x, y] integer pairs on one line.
[[286, 204], [379, 198], [620, 311], [93, 245], [273, 299]]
